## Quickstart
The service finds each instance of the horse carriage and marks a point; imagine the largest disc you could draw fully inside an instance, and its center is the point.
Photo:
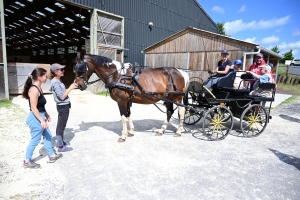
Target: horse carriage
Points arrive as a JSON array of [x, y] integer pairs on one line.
[[216, 108], [223, 103]]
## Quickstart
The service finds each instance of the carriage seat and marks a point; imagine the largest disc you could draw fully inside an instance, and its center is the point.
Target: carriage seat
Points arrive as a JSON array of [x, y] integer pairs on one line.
[[227, 80], [230, 88], [247, 77], [265, 87]]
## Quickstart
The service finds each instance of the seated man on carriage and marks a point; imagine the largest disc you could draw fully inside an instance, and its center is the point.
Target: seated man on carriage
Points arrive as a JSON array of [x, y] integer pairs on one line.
[[264, 77], [223, 69]]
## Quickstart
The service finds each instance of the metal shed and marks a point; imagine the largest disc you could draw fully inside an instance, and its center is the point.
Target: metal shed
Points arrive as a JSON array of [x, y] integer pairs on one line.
[[39, 33], [200, 50], [44, 32]]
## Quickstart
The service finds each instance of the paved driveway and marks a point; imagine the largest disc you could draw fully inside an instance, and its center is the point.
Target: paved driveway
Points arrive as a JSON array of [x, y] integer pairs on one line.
[[149, 167]]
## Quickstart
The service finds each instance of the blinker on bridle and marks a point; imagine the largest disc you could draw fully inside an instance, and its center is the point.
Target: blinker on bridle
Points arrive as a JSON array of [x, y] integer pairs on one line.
[[81, 68]]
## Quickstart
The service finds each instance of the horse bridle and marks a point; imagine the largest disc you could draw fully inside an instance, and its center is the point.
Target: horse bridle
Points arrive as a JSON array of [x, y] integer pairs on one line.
[[84, 67], [81, 68]]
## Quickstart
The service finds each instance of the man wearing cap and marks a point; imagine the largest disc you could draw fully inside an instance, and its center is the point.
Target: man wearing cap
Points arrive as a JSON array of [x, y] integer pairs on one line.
[[259, 61], [223, 68], [63, 104], [263, 77]]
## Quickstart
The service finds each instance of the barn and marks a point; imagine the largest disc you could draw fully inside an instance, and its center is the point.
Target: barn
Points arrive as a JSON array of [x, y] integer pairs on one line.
[[197, 51], [38, 33]]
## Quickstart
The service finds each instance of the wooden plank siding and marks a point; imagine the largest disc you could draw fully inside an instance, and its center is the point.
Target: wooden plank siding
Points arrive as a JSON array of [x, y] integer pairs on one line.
[[196, 50]]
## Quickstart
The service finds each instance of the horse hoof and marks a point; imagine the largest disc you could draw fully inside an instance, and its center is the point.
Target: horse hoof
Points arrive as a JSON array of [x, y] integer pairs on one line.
[[177, 135], [121, 140], [158, 134], [130, 135]]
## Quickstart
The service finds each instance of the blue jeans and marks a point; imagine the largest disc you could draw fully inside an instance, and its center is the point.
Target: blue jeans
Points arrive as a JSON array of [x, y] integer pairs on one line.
[[36, 132]]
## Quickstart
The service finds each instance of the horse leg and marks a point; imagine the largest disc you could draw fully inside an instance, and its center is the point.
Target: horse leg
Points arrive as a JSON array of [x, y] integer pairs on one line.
[[124, 132], [131, 127], [170, 112], [181, 111], [125, 112]]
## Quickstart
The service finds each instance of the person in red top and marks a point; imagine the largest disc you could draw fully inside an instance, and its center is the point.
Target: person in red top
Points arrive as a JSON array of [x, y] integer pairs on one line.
[[259, 61]]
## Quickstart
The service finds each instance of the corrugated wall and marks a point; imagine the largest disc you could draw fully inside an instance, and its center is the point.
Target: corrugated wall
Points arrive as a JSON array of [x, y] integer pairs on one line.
[[168, 17]]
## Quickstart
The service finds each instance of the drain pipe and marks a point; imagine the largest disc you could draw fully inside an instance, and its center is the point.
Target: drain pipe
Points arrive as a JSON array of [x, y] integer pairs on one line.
[[250, 53]]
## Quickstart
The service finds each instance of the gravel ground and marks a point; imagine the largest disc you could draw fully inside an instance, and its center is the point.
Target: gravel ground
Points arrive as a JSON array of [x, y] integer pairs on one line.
[[145, 166]]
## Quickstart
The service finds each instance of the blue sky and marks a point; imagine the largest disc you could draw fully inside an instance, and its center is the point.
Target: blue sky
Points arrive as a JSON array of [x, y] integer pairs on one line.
[[266, 22]]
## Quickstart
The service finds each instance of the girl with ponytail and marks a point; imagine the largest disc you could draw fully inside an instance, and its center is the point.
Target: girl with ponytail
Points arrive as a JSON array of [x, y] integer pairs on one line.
[[38, 117]]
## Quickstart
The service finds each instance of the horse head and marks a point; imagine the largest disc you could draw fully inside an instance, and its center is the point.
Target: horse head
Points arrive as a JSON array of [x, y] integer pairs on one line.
[[105, 68], [82, 72]]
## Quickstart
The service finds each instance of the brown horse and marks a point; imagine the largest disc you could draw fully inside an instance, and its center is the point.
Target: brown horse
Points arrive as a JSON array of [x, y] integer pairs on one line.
[[143, 85]]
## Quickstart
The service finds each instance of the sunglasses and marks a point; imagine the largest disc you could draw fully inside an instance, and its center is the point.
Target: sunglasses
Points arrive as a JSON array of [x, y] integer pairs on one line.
[[62, 69]]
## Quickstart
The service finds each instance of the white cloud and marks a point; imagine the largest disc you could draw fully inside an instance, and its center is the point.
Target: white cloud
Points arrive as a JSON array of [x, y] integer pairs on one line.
[[239, 25], [218, 9], [285, 47], [296, 33], [242, 9], [252, 40], [270, 40]]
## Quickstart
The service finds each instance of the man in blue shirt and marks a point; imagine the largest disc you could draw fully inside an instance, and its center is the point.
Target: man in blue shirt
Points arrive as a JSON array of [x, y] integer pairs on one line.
[[264, 77]]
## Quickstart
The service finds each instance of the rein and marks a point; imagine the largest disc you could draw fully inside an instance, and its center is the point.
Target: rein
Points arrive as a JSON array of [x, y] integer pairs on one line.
[[101, 78]]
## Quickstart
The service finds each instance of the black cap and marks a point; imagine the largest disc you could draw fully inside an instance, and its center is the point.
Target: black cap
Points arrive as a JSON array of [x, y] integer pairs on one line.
[[224, 52]]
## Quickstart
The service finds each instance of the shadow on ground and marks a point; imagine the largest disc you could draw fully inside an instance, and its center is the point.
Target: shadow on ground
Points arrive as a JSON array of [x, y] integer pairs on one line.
[[292, 119], [145, 125], [69, 134], [288, 159]]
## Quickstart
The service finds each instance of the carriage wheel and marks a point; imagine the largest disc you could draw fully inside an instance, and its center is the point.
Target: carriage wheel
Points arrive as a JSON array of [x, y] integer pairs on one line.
[[191, 117], [217, 123], [227, 115], [253, 121], [192, 98]]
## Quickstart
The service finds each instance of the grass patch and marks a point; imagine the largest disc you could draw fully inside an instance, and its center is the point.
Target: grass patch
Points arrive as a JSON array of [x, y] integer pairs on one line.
[[292, 89], [281, 71], [289, 100], [5, 104], [105, 93]]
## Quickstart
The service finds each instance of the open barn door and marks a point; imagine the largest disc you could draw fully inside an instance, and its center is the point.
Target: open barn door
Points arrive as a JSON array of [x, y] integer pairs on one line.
[[3, 63], [107, 39]]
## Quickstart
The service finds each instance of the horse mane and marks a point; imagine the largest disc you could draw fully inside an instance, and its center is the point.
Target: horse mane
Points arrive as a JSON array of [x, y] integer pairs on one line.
[[99, 59]]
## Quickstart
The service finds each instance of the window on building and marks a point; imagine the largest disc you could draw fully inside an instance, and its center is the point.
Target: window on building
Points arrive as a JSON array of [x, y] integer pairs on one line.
[[50, 51], [60, 50]]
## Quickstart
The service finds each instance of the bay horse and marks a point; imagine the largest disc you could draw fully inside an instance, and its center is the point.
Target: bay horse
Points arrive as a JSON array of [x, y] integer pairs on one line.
[[129, 84]]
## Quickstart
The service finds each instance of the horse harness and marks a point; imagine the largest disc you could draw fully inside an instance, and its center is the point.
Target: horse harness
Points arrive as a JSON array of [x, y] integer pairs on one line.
[[137, 70]]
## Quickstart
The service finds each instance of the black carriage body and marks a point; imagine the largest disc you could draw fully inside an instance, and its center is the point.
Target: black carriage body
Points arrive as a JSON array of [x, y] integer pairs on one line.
[[233, 102]]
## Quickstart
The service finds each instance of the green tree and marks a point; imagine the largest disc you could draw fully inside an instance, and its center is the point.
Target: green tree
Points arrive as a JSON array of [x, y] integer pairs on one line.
[[221, 28], [275, 49], [288, 55]]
